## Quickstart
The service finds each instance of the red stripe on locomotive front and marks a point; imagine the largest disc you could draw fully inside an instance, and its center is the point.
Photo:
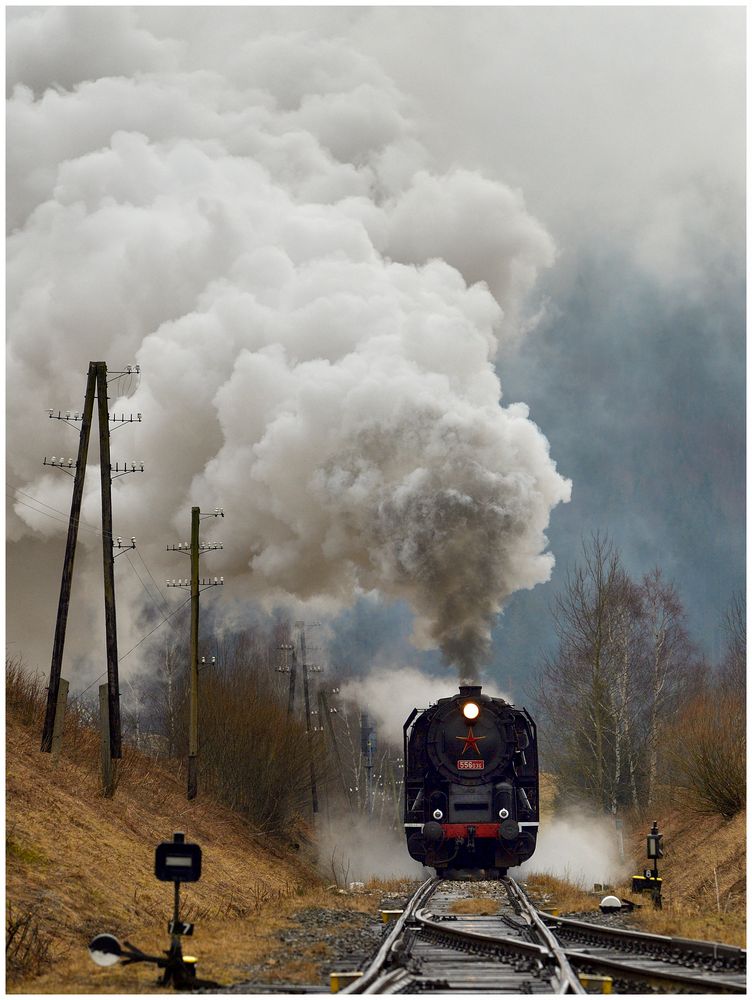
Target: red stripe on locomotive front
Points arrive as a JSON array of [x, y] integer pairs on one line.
[[460, 829]]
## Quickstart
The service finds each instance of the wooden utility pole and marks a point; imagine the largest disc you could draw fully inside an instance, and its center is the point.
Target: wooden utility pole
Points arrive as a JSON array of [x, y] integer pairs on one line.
[[193, 721], [293, 673], [327, 713], [366, 749], [309, 731], [289, 647], [195, 585], [108, 565], [70, 554], [96, 384]]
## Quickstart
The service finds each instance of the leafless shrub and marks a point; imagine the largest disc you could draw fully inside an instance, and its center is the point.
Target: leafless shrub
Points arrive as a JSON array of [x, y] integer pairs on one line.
[[709, 749], [254, 757], [25, 693], [27, 945], [340, 868]]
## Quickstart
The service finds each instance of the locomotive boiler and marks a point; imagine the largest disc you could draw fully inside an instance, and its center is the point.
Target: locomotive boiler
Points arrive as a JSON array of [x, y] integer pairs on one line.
[[471, 785]]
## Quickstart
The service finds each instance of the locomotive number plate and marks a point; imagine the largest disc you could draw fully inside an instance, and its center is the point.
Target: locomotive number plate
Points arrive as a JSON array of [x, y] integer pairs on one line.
[[470, 765]]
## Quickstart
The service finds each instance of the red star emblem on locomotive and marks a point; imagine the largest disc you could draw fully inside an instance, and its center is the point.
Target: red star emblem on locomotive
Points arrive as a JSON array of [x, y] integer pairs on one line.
[[470, 741]]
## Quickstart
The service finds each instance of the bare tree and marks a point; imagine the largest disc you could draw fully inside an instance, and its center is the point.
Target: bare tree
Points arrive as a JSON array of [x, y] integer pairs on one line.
[[734, 662], [577, 691], [670, 654], [624, 650]]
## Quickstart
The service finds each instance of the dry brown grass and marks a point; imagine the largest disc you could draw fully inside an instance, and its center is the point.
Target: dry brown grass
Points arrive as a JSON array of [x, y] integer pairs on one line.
[[547, 792], [78, 864], [704, 861], [482, 907], [82, 864], [391, 886], [678, 919], [552, 893], [703, 872]]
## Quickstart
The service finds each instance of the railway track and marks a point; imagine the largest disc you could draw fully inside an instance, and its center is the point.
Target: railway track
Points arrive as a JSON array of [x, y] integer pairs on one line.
[[631, 957], [432, 948]]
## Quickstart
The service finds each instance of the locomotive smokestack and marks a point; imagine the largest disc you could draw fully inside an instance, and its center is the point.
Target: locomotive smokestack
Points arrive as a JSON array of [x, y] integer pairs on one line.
[[470, 690]]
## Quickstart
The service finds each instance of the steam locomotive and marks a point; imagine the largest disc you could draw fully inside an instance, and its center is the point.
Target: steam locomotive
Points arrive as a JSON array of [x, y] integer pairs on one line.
[[471, 785]]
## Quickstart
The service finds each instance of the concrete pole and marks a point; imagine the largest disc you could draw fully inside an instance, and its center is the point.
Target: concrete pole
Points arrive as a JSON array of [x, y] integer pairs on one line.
[[57, 732], [107, 763]]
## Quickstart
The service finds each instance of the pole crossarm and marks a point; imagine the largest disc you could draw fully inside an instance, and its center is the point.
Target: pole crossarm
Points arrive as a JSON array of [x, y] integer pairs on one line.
[[69, 467], [128, 370], [119, 544], [203, 583], [68, 417], [124, 468], [122, 420]]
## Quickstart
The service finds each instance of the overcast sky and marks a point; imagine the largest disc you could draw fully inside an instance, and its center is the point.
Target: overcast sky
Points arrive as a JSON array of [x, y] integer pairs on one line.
[[350, 248]]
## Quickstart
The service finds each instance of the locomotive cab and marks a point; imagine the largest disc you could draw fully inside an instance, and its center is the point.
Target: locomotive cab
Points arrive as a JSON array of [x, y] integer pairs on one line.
[[471, 785]]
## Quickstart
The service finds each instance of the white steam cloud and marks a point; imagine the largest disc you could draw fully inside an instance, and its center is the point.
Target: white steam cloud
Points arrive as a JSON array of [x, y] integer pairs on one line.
[[579, 848], [315, 311], [391, 693], [353, 847]]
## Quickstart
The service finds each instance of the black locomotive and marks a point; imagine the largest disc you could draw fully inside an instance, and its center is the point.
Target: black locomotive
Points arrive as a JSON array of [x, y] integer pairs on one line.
[[471, 785]]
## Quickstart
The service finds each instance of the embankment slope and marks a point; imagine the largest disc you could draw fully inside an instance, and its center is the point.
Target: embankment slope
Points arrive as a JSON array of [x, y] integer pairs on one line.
[[78, 864]]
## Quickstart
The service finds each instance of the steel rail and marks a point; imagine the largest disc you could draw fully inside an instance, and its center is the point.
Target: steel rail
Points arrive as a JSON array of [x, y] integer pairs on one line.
[[489, 943], [375, 970], [734, 959], [643, 949], [569, 978], [390, 970], [486, 944], [380, 978], [633, 973]]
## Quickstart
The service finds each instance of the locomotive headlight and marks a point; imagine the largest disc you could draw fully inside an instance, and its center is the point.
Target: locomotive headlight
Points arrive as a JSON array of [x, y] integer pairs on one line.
[[438, 814], [470, 710]]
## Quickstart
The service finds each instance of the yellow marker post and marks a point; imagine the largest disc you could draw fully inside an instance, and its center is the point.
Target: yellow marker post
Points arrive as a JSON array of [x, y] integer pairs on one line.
[[596, 984], [338, 980]]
